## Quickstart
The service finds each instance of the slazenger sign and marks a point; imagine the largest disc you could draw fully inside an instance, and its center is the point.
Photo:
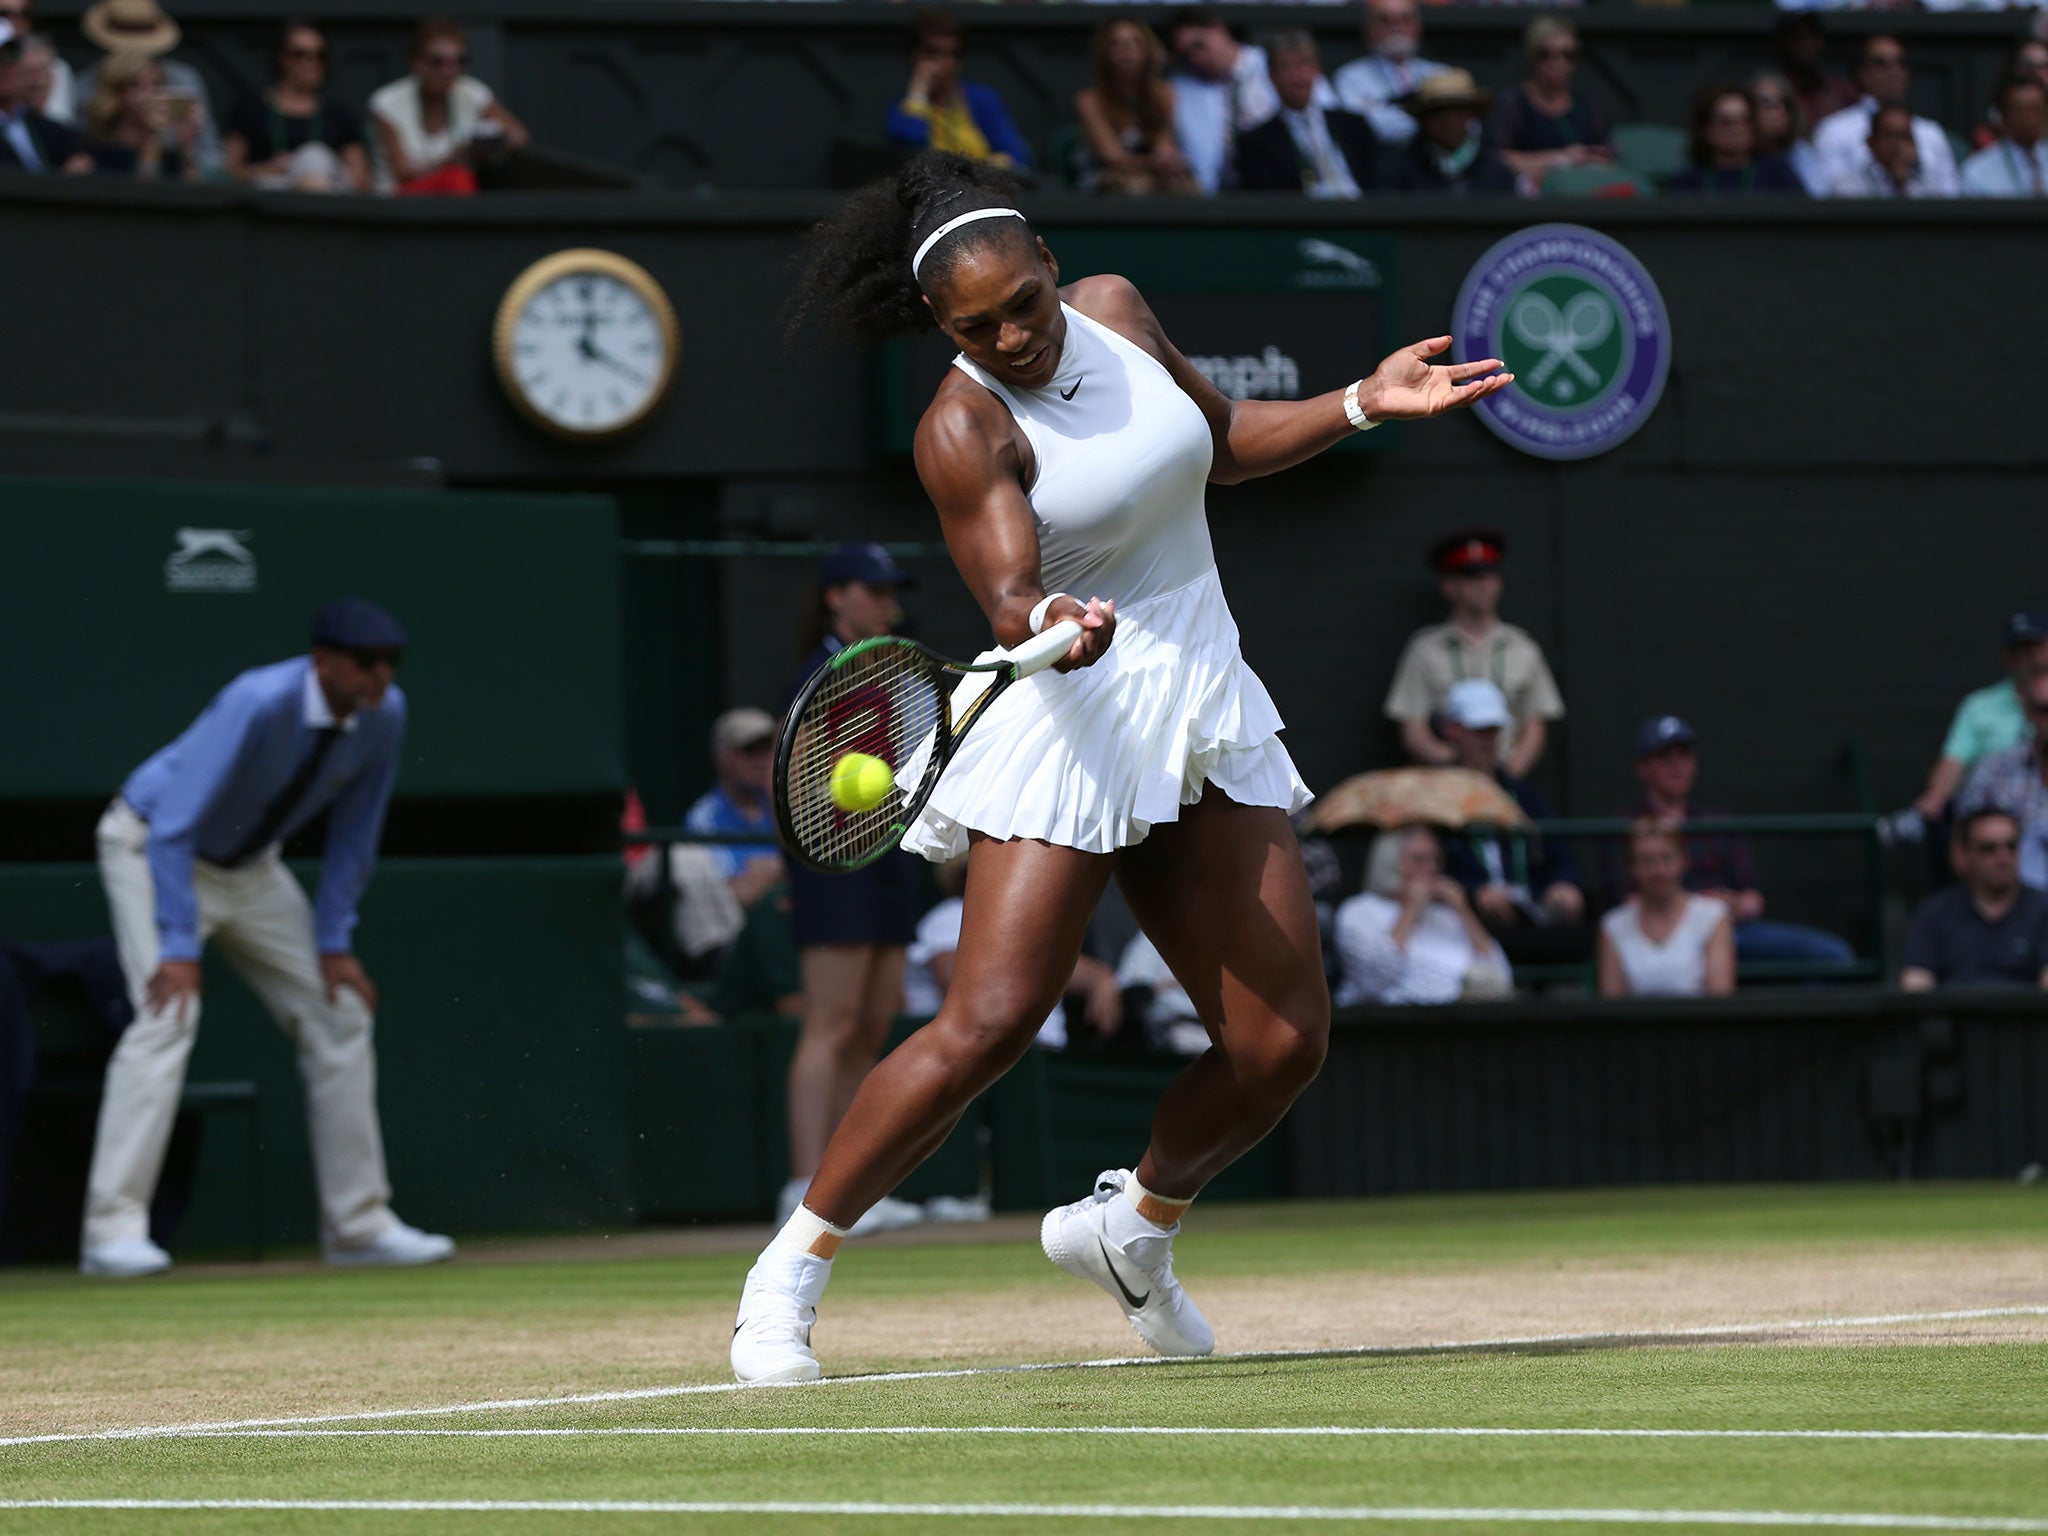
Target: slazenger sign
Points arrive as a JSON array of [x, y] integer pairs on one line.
[[1581, 325]]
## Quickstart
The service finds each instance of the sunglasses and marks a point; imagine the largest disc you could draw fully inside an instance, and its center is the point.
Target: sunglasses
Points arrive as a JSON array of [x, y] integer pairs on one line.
[[370, 655]]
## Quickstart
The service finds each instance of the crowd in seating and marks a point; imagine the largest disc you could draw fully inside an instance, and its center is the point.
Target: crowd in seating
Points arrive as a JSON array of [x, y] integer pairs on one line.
[[1193, 110], [141, 112], [1451, 907]]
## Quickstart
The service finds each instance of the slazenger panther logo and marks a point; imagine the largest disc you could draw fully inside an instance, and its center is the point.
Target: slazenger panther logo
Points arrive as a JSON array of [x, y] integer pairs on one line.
[[211, 560], [1579, 322]]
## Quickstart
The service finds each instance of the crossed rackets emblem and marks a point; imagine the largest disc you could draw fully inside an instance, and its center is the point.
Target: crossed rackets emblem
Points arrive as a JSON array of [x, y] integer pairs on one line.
[[1585, 321]]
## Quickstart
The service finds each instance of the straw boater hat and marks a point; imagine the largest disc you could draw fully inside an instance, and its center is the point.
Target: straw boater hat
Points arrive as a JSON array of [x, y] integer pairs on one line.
[[1446, 88], [138, 26]]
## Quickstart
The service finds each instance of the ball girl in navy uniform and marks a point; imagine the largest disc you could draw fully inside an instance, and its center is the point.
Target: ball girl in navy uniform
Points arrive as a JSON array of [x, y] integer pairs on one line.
[[1067, 453], [851, 930]]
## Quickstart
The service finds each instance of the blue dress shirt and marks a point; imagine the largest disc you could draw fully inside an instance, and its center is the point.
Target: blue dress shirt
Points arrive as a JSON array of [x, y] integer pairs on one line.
[[716, 811], [202, 794]]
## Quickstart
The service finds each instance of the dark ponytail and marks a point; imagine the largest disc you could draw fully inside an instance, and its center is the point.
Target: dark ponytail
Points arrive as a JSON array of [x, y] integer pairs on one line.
[[854, 273]]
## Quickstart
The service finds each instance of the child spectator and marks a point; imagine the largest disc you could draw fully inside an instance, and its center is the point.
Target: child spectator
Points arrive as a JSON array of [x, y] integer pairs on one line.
[[126, 121], [1126, 115], [1546, 121], [939, 110], [1665, 941], [428, 126], [1987, 930], [292, 135], [143, 26], [1411, 936], [1724, 151]]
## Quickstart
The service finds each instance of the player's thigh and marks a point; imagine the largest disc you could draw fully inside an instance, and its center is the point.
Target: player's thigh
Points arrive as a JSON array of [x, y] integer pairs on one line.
[[1222, 893], [1027, 907]]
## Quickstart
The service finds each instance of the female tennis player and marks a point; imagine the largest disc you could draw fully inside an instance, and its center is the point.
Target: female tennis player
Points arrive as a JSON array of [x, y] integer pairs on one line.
[[1067, 452]]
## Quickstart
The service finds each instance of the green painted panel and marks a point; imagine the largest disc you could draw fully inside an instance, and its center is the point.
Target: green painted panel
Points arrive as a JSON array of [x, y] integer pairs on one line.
[[127, 606]]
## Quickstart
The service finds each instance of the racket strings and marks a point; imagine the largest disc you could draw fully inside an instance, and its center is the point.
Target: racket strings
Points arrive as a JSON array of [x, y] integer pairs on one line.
[[888, 701]]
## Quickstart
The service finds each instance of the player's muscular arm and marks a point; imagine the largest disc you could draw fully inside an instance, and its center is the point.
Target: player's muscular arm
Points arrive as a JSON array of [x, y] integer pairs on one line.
[[1261, 437], [973, 467]]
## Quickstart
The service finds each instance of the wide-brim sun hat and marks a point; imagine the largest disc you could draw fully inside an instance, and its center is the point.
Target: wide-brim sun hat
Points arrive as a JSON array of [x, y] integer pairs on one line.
[[1446, 88], [133, 26]]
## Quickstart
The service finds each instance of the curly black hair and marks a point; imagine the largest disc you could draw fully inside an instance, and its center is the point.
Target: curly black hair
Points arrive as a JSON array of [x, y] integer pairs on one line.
[[854, 274]]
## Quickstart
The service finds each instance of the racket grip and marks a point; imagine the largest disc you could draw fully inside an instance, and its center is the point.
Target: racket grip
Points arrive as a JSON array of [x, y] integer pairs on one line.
[[1042, 650]]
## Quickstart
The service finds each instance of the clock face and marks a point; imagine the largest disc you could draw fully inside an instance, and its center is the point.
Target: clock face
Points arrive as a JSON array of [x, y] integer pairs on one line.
[[589, 354]]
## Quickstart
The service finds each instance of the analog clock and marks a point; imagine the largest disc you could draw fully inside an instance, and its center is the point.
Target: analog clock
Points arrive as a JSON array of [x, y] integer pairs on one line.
[[585, 344]]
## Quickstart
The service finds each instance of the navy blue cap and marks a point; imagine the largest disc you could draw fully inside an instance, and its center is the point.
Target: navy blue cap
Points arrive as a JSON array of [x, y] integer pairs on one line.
[[2026, 627], [1662, 733], [350, 623], [863, 562]]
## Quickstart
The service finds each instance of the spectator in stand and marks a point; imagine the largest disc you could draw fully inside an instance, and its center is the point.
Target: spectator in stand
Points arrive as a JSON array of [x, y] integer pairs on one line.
[[1323, 151], [1990, 719], [743, 758], [1782, 130], [1171, 1020], [429, 129], [1801, 49], [1375, 85], [2016, 164], [30, 141], [143, 26], [2029, 59], [1546, 122], [939, 110], [1987, 930], [1093, 995], [2013, 780], [1849, 141], [1665, 941], [292, 135], [1473, 642], [1724, 151], [1411, 936], [1126, 115], [1221, 88], [1525, 890], [1450, 153], [1895, 168], [126, 119], [59, 102], [1720, 864]]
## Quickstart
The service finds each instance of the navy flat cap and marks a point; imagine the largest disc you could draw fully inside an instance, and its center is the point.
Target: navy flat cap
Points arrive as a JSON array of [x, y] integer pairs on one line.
[[350, 624], [863, 562]]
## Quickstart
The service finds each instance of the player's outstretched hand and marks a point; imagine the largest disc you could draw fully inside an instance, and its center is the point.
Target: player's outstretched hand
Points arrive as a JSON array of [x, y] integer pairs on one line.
[[1098, 627], [1408, 387]]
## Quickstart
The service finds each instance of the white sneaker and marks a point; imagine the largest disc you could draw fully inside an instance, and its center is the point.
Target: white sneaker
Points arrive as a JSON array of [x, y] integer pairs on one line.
[[401, 1245], [124, 1258], [771, 1341], [1138, 1272], [886, 1215]]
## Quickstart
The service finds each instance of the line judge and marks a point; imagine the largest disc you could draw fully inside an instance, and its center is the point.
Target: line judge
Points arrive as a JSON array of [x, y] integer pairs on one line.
[[190, 852]]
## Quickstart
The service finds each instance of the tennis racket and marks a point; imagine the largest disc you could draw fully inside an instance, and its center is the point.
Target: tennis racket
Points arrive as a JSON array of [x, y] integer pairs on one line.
[[892, 699]]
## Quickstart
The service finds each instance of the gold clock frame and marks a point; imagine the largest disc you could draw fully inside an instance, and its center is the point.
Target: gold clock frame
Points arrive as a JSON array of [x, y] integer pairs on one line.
[[596, 263]]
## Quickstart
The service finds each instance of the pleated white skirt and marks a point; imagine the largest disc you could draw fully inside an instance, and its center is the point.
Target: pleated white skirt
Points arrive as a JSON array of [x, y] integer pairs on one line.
[[1095, 758]]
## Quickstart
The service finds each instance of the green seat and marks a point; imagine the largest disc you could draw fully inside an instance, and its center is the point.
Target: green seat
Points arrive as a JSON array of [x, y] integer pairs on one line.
[[1063, 155], [1651, 151], [1595, 181]]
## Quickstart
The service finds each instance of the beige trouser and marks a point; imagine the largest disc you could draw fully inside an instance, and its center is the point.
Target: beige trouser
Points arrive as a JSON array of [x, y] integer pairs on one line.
[[262, 921]]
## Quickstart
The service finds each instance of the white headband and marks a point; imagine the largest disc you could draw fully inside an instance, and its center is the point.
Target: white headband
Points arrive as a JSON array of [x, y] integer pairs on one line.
[[950, 225]]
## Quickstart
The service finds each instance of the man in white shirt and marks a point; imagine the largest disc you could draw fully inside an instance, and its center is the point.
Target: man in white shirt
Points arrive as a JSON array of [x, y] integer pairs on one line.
[[2016, 165], [1842, 141], [1895, 168], [1389, 71], [1221, 88]]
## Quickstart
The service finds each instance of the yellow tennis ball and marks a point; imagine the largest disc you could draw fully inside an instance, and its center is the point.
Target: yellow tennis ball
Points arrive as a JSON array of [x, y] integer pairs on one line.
[[860, 782]]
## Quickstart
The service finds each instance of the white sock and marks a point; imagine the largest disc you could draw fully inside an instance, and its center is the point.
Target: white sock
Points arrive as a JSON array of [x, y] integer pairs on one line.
[[798, 1259]]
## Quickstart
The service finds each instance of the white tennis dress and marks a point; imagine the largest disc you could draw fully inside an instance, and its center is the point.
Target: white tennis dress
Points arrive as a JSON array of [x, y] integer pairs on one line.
[[1095, 758]]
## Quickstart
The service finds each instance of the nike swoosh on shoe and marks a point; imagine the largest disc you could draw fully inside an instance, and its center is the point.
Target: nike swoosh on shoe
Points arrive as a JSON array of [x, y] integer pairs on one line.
[[1116, 1275]]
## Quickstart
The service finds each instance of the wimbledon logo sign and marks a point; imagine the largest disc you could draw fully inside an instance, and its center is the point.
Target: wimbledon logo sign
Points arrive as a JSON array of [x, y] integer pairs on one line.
[[1580, 324]]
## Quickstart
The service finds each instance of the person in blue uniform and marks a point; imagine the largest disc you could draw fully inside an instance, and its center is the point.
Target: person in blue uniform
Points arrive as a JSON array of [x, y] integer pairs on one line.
[[852, 930]]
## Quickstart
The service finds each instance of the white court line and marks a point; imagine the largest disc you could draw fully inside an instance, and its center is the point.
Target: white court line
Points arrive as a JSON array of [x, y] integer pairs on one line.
[[1352, 1352], [1798, 1519], [1185, 1431]]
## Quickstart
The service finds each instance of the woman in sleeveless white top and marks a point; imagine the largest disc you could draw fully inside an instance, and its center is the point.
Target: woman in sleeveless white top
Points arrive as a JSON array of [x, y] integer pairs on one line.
[[1067, 454], [1664, 941]]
